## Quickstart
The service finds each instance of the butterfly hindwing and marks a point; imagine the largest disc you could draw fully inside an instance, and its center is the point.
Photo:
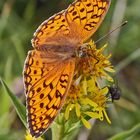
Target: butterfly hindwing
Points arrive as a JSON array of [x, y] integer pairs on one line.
[[37, 65], [46, 96]]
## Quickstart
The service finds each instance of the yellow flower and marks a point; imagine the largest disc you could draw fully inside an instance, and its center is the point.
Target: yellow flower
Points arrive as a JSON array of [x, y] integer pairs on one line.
[[29, 137], [88, 96]]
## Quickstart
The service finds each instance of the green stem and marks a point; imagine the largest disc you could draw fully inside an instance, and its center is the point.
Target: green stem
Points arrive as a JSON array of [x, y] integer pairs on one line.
[[58, 130], [64, 130]]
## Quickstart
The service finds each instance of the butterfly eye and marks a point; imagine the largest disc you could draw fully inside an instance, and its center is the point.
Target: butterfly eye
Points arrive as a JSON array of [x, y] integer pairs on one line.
[[82, 54]]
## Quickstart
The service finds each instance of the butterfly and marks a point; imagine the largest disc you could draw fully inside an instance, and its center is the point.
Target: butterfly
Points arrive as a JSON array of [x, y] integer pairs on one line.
[[49, 67]]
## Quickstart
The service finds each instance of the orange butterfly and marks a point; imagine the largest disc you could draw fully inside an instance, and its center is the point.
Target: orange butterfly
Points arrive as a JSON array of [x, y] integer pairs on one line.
[[49, 68]]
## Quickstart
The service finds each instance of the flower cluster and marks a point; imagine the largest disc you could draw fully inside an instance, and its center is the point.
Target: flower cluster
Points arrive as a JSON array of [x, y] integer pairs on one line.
[[88, 93]]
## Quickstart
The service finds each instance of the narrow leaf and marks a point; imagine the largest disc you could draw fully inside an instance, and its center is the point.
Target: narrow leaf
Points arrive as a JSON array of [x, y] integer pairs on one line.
[[127, 134], [20, 108]]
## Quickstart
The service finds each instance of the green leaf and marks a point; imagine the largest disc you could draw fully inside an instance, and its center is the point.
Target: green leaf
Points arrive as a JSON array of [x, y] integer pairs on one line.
[[127, 134], [20, 108]]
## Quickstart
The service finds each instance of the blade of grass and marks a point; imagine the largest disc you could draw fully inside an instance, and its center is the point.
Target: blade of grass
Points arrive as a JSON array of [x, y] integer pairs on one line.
[[29, 11], [19, 48], [135, 55], [20, 108], [127, 134]]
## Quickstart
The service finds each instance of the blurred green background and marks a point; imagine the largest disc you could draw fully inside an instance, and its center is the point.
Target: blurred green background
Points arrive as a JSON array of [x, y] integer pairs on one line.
[[18, 21]]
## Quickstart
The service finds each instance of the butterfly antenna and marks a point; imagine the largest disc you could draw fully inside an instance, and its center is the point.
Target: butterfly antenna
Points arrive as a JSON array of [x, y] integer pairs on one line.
[[122, 24]]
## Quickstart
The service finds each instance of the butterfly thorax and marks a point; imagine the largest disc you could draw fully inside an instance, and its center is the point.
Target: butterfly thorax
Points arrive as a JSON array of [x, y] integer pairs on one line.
[[67, 51]]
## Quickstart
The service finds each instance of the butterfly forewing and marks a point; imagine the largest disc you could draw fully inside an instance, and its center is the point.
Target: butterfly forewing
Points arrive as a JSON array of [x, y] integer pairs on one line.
[[85, 16], [46, 95], [51, 30], [73, 25]]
